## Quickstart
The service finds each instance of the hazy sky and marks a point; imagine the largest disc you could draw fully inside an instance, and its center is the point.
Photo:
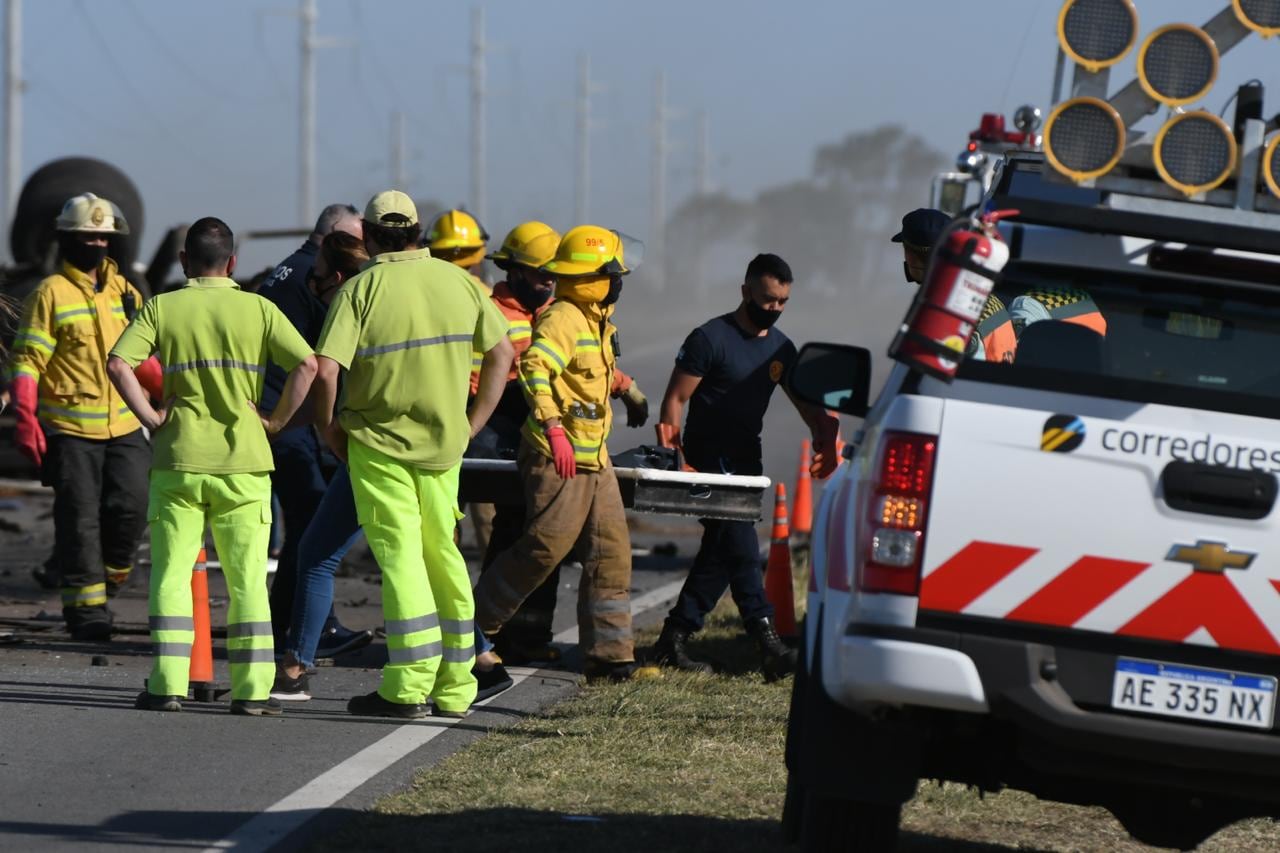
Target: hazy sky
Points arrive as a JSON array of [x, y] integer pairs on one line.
[[197, 101]]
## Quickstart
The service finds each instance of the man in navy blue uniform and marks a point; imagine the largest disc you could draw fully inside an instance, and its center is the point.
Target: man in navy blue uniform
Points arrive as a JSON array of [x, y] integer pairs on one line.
[[299, 477], [727, 371]]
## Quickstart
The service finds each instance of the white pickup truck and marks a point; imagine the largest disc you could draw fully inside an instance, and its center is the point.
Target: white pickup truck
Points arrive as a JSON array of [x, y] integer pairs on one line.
[[1061, 573]]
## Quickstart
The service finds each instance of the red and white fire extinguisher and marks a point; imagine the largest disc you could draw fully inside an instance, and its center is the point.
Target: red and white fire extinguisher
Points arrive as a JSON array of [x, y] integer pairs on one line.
[[963, 269]]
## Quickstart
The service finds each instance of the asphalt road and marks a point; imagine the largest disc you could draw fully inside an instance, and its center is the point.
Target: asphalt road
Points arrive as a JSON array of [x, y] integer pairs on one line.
[[82, 769]]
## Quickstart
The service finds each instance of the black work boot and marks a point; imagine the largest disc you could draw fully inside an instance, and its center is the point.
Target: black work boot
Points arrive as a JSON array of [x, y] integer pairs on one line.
[[776, 658], [670, 650], [88, 624]]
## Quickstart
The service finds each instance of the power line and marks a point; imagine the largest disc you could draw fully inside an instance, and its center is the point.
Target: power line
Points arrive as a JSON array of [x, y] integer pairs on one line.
[[208, 87]]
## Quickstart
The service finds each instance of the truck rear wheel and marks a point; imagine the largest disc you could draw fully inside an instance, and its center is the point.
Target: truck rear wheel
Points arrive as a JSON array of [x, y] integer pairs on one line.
[[830, 825]]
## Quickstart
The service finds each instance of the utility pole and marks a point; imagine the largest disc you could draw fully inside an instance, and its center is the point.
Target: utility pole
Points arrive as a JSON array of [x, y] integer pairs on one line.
[[307, 113], [478, 188], [13, 86], [399, 179], [582, 191], [702, 168], [658, 187]]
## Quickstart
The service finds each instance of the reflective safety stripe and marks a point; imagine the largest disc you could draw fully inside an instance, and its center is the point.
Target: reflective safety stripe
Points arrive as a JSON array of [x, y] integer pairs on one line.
[[547, 349], [613, 605], [251, 655], [412, 654], [414, 625], [538, 382], [458, 626], [199, 363], [587, 344], [178, 650], [463, 655], [75, 413], [70, 312], [171, 623], [84, 596], [420, 342], [610, 633], [35, 338], [26, 370], [237, 630], [118, 573]]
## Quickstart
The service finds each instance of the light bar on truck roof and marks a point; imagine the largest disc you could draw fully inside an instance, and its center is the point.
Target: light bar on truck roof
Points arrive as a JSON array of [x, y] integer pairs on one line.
[[1178, 64], [1261, 16], [1271, 165], [1195, 152], [1084, 138], [1097, 33]]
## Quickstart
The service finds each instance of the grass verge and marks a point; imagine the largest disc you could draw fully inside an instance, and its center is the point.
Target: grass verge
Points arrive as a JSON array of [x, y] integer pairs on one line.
[[688, 762]]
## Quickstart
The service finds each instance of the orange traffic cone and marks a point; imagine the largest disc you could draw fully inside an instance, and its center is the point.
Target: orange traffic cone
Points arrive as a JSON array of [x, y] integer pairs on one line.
[[802, 509], [201, 672], [777, 576]]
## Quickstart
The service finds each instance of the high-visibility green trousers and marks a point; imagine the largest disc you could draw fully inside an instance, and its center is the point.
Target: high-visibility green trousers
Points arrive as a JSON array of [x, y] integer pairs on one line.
[[409, 515], [238, 508]]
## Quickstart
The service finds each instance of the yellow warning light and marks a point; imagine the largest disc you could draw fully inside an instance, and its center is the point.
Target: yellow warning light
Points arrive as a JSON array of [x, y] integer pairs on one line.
[[1097, 33], [1178, 64], [1261, 16], [1271, 165], [1195, 152], [1084, 138], [900, 512]]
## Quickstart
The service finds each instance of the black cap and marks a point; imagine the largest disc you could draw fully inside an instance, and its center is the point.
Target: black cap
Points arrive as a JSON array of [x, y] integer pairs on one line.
[[922, 227]]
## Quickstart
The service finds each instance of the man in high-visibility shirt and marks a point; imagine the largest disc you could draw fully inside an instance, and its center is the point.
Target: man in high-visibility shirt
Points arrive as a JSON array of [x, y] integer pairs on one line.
[[212, 459], [522, 298], [404, 329], [72, 424], [571, 492]]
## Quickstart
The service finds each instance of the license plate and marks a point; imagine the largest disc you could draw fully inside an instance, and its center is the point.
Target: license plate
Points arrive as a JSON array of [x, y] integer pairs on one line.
[[1191, 693]]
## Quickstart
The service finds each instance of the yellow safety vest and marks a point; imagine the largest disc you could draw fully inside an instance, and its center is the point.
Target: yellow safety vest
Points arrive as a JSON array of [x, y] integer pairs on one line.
[[67, 329]]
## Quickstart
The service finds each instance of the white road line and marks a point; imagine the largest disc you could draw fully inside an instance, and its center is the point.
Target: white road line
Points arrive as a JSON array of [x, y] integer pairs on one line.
[[271, 826]]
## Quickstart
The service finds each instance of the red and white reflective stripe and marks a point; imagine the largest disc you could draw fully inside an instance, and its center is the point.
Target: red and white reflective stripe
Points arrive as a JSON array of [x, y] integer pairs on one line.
[[1201, 603]]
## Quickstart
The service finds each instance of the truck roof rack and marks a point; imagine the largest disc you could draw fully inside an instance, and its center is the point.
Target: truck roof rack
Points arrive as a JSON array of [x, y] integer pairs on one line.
[[1023, 185]]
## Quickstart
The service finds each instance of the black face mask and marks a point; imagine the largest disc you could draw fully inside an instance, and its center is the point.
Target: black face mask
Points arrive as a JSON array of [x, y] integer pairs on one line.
[[615, 290], [527, 294], [906, 273], [761, 318], [82, 256]]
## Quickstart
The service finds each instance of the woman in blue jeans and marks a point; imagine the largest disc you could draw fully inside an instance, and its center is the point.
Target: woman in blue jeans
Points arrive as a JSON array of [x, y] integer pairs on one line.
[[334, 529]]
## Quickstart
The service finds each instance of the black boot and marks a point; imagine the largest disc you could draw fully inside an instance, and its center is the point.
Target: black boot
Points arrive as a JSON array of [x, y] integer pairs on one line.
[[776, 658], [670, 650], [88, 624]]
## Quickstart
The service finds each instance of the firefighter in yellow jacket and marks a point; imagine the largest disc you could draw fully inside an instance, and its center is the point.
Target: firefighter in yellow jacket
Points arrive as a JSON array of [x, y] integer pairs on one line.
[[571, 492], [458, 237], [71, 422]]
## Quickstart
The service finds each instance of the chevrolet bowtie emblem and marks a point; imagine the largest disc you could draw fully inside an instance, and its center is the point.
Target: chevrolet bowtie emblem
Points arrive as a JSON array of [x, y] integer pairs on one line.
[[1210, 556]]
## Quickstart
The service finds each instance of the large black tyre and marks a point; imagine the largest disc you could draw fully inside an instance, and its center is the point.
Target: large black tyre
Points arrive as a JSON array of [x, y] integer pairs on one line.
[[47, 190], [841, 826]]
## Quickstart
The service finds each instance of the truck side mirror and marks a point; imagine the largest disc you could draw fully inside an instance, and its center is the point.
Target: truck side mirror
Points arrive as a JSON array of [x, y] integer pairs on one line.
[[833, 376]]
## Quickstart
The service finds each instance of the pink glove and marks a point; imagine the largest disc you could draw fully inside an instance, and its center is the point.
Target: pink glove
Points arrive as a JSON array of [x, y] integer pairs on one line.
[[826, 454], [27, 433], [562, 453], [151, 377]]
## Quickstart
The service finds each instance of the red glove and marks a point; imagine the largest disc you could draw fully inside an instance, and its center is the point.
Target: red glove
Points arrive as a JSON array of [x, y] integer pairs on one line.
[[151, 377], [27, 433], [826, 453], [562, 453]]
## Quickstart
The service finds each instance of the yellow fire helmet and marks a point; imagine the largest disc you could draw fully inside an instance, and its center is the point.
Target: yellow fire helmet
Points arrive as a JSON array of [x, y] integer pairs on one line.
[[529, 244], [589, 250], [456, 236], [89, 214]]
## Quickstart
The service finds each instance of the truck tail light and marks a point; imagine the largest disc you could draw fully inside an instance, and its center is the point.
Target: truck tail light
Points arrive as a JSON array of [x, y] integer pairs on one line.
[[893, 540]]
